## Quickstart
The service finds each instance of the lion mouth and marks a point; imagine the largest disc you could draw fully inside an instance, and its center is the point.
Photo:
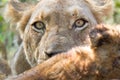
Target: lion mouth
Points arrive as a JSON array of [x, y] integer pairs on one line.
[[53, 53], [48, 55]]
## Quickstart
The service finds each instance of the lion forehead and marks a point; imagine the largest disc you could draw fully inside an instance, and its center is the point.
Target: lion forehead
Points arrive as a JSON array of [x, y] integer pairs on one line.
[[48, 7]]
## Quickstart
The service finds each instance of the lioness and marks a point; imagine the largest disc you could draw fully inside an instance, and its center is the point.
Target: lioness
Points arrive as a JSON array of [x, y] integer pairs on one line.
[[54, 26]]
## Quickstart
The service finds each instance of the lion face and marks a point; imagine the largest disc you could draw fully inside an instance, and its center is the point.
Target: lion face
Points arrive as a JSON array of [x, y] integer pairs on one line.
[[55, 26]]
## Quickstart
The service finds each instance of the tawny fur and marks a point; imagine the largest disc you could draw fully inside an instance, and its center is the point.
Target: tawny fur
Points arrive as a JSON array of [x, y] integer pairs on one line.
[[59, 17], [100, 61]]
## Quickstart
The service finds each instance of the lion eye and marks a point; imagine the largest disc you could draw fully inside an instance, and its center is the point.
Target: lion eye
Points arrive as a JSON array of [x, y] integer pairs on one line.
[[80, 24], [39, 26]]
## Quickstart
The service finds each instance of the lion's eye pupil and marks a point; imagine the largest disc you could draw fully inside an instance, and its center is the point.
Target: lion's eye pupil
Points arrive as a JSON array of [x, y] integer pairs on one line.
[[79, 23], [38, 26]]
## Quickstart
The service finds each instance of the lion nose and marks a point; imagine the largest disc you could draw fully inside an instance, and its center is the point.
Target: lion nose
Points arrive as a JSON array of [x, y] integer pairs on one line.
[[50, 54]]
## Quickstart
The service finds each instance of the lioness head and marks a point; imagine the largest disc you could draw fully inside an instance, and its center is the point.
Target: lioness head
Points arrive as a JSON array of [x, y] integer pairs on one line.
[[55, 26]]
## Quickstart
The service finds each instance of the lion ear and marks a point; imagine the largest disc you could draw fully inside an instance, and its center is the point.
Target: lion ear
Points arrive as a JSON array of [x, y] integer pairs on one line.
[[18, 14], [101, 8]]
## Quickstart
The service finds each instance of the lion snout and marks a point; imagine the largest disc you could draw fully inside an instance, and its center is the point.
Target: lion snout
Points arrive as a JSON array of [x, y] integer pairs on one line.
[[56, 45]]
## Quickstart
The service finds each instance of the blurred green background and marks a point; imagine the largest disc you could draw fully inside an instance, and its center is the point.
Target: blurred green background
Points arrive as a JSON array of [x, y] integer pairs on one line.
[[7, 36]]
